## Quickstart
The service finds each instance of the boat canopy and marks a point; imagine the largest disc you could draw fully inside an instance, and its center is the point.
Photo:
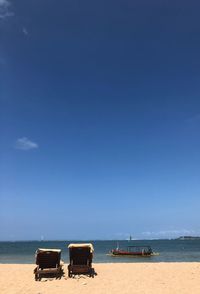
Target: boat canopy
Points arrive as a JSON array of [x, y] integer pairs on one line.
[[88, 245]]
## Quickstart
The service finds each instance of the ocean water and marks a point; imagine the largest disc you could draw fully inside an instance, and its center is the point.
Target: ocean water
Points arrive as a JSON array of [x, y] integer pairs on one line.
[[169, 251]]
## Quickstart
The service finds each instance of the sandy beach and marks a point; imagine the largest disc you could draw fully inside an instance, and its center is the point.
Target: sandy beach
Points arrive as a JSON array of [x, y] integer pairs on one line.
[[111, 278]]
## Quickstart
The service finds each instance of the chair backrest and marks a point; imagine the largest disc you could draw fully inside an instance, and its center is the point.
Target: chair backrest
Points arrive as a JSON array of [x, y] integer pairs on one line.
[[80, 256], [48, 259]]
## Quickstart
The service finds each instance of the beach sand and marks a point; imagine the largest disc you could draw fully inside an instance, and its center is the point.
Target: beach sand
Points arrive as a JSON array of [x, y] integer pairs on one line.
[[116, 278]]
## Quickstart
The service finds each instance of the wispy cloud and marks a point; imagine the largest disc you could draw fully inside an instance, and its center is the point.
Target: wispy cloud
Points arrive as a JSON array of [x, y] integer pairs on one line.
[[24, 31], [25, 144], [5, 9]]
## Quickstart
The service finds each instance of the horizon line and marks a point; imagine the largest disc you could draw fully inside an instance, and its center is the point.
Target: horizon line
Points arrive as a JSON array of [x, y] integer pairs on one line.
[[84, 240]]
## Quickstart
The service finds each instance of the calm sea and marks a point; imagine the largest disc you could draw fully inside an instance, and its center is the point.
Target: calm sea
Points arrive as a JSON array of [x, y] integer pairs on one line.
[[170, 250]]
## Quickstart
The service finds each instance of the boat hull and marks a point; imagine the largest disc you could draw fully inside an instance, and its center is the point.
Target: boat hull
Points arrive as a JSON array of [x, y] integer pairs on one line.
[[134, 254]]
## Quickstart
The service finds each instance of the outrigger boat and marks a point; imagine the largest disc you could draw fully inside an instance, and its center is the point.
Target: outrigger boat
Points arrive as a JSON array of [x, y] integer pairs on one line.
[[137, 251]]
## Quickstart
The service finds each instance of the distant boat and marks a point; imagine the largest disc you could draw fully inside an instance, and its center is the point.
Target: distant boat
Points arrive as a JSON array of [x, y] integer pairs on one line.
[[137, 251], [42, 238]]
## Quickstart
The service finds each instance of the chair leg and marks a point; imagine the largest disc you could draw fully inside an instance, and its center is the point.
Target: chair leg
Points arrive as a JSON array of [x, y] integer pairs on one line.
[[92, 272]]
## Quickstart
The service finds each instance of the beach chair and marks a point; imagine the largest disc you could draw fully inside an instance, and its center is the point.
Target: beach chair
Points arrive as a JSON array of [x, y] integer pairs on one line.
[[80, 256], [48, 263]]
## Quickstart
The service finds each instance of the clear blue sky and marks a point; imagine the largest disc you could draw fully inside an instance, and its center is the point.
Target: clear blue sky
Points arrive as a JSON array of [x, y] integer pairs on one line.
[[99, 119]]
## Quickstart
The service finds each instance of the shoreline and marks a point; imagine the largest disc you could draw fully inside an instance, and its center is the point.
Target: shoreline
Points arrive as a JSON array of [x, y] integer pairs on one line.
[[137, 278]]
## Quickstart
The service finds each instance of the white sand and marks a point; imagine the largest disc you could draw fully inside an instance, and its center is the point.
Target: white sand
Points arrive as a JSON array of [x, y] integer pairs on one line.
[[122, 278]]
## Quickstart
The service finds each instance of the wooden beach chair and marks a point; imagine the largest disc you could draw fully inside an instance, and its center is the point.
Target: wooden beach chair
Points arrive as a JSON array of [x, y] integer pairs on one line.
[[80, 256], [48, 263]]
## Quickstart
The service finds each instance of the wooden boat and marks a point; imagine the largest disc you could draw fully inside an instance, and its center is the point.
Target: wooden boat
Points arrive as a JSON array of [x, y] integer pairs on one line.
[[137, 251]]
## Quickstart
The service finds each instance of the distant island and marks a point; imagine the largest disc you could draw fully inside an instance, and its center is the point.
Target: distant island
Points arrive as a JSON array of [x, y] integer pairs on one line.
[[188, 238]]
